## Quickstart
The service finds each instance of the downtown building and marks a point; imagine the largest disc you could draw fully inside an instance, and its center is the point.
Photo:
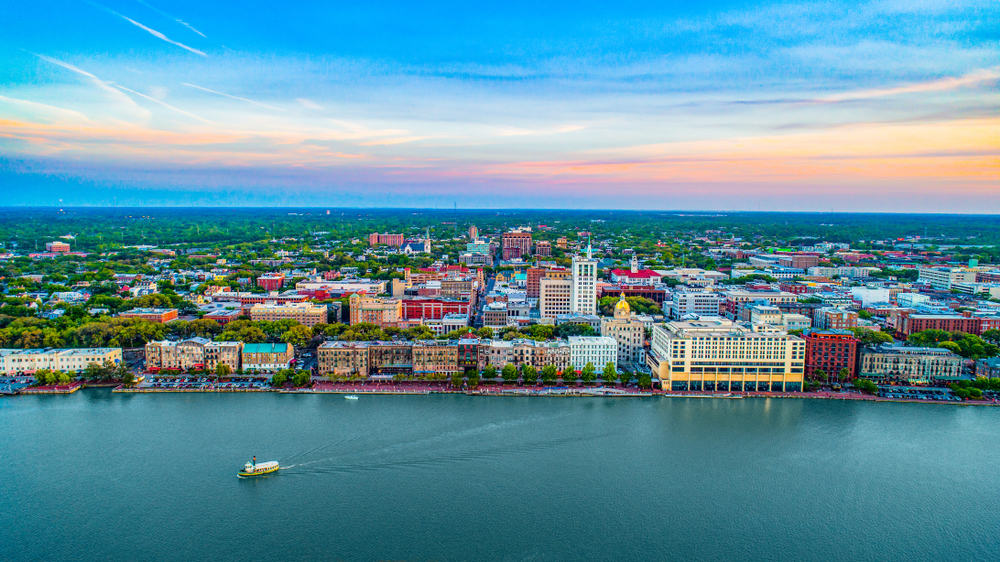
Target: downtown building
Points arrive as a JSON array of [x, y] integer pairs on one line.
[[911, 365], [66, 360], [192, 354], [829, 352], [304, 313], [515, 244], [628, 333], [583, 295], [598, 351], [716, 354]]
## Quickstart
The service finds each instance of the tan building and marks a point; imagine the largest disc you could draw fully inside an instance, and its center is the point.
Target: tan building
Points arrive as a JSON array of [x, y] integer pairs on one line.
[[304, 313], [184, 355], [434, 358], [912, 365], [390, 358], [157, 315], [343, 359], [267, 357], [714, 353], [228, 353], [191, 354], [524, 352], [554, 296], [67, 360], [375, 310], [628, 332]]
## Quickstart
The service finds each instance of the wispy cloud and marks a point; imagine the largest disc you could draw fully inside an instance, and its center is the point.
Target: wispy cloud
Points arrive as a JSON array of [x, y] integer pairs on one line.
[[309, 104], [230, 96], [167, 15], [103, 85], [159, 35], [165, 104], [943, 84], [46, 109]]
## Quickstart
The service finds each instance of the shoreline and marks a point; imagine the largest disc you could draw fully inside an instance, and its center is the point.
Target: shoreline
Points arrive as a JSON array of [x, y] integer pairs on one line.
[[557, 392]]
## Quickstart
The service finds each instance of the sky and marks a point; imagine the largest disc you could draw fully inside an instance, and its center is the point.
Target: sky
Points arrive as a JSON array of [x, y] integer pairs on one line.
[[889, 105]]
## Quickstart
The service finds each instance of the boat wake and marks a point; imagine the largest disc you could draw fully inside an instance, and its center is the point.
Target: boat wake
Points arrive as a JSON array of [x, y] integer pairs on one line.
[[468, 454]]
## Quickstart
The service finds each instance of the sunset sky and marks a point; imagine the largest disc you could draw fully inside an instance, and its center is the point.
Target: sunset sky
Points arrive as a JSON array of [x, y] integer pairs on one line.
[[864, 106]]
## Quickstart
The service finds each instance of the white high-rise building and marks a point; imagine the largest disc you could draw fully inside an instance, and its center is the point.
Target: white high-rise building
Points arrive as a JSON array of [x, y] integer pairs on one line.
[[584, 291]]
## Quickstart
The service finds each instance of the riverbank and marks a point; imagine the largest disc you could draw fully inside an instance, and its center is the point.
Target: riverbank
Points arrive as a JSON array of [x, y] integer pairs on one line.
[[555, 391]]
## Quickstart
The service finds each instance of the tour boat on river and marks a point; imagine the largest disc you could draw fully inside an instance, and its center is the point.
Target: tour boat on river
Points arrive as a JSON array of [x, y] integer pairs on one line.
[[254, 468]]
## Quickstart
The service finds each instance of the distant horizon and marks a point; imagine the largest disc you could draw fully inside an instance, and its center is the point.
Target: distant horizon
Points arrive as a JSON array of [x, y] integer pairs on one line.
[[703, 212]]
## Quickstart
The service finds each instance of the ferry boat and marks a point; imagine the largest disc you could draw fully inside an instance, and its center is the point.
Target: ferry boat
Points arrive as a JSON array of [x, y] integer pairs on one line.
[[351, 397], [254, 468]]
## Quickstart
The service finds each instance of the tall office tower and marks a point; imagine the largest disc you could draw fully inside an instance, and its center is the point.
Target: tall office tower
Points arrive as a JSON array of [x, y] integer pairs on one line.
[[584, 291]]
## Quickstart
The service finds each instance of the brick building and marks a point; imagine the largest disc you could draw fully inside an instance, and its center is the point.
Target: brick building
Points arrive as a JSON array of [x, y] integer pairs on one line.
[[830, 351]]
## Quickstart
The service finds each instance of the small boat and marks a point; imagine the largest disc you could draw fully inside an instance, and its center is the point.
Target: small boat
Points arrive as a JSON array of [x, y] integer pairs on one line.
[[254, 468], [351, 397]]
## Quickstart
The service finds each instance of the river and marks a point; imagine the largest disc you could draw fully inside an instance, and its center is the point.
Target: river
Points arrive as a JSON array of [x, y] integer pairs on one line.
[[97, 476]]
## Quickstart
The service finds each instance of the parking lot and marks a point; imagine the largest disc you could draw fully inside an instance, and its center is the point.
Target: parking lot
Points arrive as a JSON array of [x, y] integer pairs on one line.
[[204, 383]]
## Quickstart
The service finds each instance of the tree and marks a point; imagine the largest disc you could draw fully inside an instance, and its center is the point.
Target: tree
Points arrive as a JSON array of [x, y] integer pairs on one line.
[[489, 372], [529, 374], [279, 379], [127, 378], [64, 378], [509, 373], [472, 376], [485, 332], [94, 372], [297, 335], [569, 375], [645, 381], [625, 377], [820, 374], [866, 386], [610, 373], [871, 337], [457, 379], [222, 370], [588, 374], [302, 378], [992, 336], [549, 374], [843, 374]]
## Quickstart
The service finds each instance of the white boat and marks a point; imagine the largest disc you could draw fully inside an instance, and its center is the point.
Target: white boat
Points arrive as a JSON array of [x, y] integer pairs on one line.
[[351, 397], [254, 468]]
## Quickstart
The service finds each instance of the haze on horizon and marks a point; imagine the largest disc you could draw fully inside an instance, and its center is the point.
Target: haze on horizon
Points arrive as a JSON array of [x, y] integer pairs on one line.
[[887, 105]]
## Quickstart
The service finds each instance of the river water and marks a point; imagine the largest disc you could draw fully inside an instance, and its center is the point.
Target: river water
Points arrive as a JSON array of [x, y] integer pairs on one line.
[[98, 476]]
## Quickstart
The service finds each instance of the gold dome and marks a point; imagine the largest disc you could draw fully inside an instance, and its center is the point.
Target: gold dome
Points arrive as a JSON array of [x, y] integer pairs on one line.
[[622, 309]]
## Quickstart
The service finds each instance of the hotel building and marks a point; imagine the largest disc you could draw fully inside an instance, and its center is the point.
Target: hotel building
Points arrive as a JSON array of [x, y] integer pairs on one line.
[[714, 353]]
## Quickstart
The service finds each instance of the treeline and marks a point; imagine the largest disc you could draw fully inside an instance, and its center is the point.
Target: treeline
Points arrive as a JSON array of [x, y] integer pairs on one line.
[[969, 346], [104, 331]]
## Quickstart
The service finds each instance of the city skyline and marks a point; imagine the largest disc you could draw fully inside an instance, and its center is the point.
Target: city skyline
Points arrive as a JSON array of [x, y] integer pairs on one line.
[[879, 106]]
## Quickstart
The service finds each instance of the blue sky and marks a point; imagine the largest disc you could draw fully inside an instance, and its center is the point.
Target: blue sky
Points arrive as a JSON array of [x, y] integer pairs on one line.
[[889, 105]]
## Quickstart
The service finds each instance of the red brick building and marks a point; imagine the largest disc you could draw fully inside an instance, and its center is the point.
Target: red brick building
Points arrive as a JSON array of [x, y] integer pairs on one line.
[[426, 308], [645, 291], [57, 247], [948, 322], [830, 351], [516, 244], [271, 281], [385, 239]]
